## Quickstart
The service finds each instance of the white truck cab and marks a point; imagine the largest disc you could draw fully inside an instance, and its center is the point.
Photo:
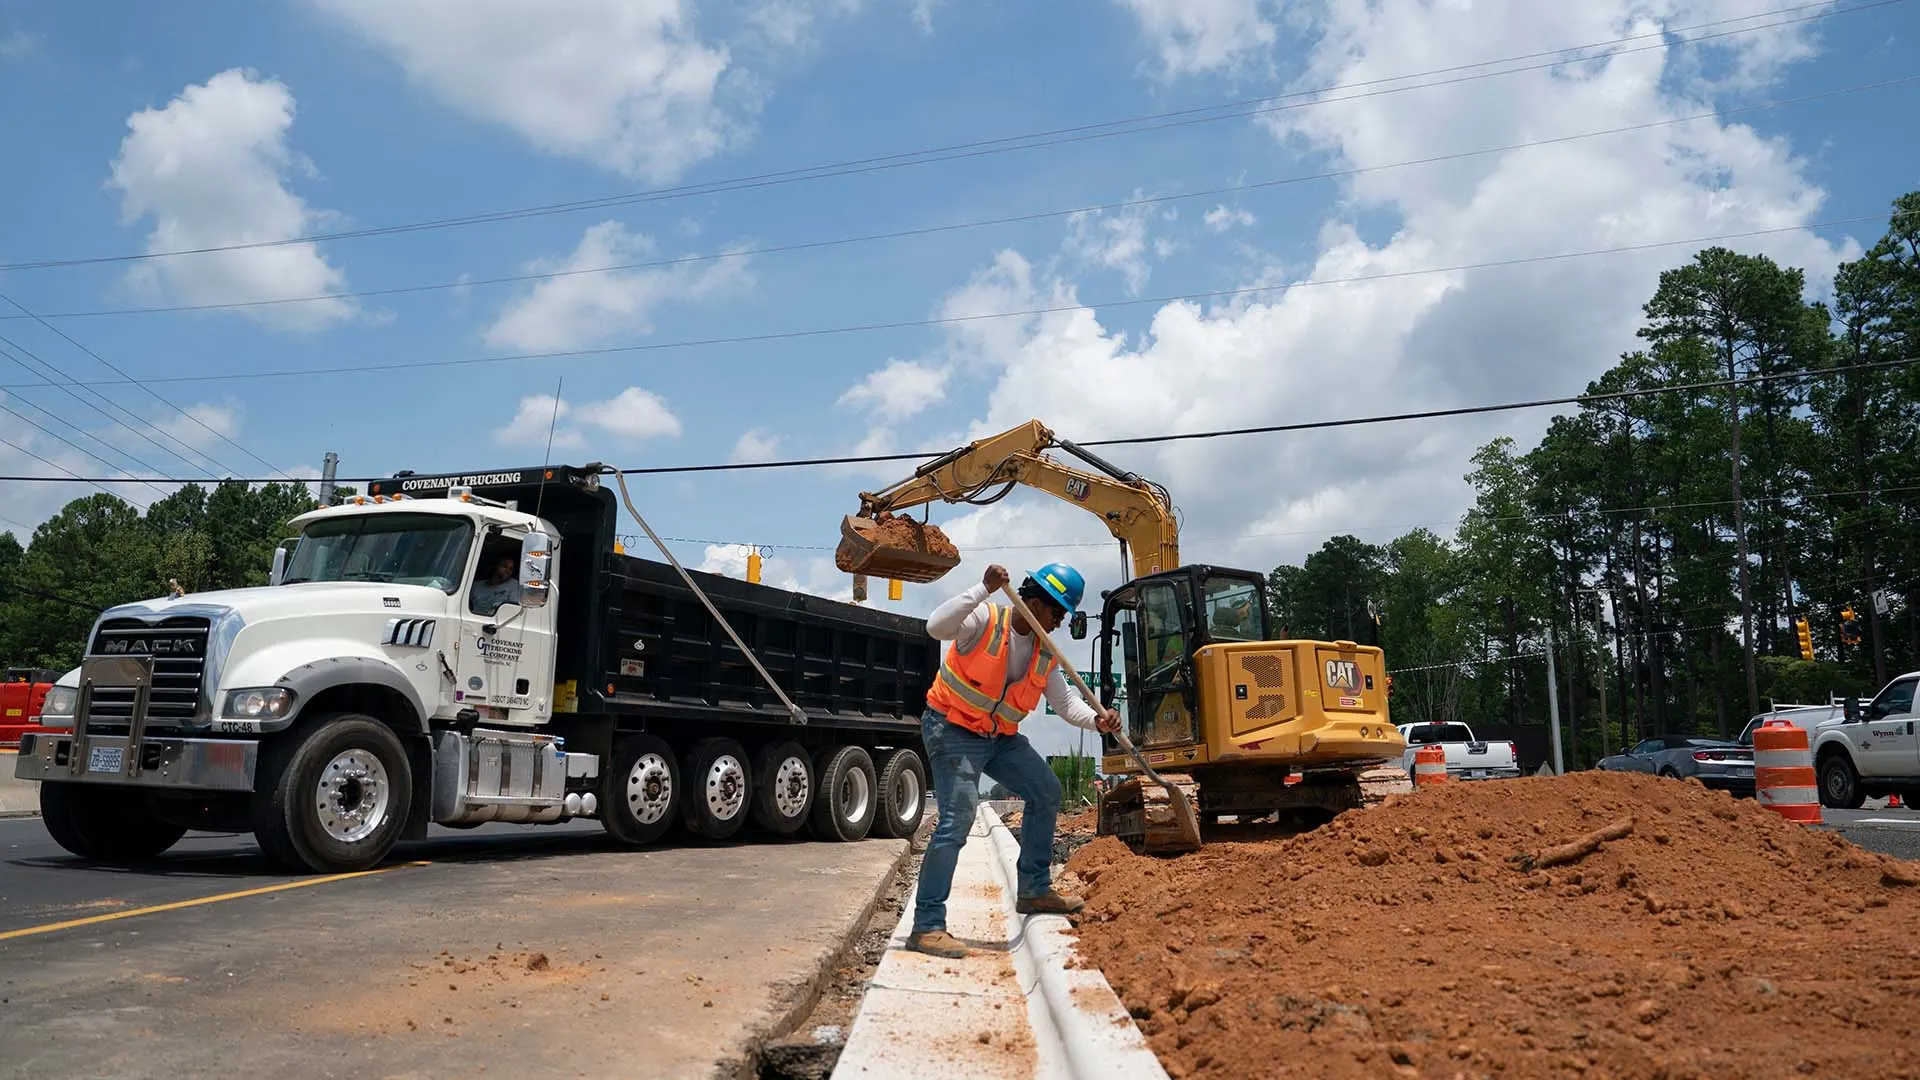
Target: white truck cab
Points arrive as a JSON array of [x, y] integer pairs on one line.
[[1873, 751]]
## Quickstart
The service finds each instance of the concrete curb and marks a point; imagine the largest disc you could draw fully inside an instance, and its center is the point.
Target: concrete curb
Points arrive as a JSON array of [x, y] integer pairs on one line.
[[1097, 1036]]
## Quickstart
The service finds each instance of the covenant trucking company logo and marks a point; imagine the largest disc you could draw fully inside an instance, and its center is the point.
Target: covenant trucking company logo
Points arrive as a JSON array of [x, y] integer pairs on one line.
[[442, 483], [492, 650]]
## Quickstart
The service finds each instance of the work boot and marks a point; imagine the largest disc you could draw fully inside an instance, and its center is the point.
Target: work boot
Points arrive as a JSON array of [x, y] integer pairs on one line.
[[1049, 903], [937, 943]]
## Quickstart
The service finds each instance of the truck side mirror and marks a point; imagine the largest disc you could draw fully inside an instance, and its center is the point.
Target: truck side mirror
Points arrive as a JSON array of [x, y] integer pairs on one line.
[[1077, 626], [279, 568], [1851, 709], [536, 561]]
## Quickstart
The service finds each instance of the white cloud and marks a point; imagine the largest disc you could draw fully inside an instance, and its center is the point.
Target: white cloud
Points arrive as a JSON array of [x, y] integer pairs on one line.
[[18, 44], [756, 445], [1223, 218], [1468, 336], [633, 414], [578, 306], [900, 390], [1200, 36], [210, 169], [1117, 241], [203, 426], [630, 86]]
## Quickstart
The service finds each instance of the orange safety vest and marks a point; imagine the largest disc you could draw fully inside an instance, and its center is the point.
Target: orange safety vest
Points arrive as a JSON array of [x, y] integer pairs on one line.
[[973, 690]]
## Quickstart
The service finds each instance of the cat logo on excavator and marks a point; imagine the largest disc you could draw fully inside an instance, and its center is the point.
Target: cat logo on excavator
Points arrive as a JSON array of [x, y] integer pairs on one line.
[[1343, 675]]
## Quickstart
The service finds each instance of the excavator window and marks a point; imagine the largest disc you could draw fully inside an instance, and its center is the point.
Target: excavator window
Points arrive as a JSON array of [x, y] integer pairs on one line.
[[1168, 674], [1233, 610]]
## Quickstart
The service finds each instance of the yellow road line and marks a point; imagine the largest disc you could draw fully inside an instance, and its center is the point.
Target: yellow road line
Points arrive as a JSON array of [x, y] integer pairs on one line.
[[197, 902]]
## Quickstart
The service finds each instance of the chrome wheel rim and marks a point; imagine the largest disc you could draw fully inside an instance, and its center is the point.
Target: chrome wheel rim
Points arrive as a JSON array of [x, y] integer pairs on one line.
[[791, 787], [649, 789], [352, 797], [856, 794], [726, 784], [906, 793]]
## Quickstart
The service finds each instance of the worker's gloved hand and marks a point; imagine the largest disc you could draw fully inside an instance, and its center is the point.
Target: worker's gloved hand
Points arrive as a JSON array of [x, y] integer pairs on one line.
[[995, 577], [1108, 721]]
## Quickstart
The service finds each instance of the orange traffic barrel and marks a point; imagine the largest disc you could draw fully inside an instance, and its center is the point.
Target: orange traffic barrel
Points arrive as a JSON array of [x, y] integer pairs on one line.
[[1430, 766], [1783, 779]]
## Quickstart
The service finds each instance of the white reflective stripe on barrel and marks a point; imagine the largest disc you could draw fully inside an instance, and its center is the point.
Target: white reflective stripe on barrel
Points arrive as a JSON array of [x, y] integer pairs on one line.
[[1781, 759], [1787, 796]]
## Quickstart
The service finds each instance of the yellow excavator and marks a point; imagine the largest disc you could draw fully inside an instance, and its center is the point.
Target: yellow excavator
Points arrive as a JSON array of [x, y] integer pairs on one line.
[[1231, 723]]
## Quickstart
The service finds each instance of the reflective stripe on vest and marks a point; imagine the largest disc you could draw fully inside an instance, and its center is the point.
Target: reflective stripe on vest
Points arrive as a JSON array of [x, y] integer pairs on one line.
[[973, 690]]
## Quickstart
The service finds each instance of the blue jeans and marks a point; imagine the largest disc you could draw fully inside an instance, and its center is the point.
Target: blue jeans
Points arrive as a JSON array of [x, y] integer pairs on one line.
[[957, 758]]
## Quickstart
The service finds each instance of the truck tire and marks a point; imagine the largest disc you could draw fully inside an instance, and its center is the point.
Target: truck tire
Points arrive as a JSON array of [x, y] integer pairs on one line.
[[333, 797], [903, 795], [847, 799], [640, 794], [1840, 787], [719, 795], [104, 824], [783, 788]]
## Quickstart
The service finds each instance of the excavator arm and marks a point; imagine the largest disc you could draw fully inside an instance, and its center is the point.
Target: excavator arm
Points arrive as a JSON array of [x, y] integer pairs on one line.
[[1137, 511]]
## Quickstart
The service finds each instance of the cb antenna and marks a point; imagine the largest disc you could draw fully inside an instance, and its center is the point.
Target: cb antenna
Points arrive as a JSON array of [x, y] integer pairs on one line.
[[545, 466]]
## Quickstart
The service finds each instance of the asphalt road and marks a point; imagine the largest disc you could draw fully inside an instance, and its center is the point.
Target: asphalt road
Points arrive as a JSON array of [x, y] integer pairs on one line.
[[1890, 832], [516, 950]]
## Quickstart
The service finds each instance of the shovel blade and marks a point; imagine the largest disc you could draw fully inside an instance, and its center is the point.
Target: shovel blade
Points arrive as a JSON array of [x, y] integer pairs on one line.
[[894, 547]]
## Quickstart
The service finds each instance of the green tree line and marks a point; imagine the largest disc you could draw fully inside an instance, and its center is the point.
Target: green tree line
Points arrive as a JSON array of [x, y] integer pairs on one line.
[[1705, 519], [99, 551]]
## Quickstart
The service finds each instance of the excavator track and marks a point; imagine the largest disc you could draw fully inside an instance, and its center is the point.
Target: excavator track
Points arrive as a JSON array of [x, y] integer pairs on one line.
[[1261, 807], [1141, 814]]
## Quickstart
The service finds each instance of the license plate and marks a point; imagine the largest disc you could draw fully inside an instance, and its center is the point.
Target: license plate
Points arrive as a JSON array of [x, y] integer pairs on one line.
[[1476, 774], [106, 759]]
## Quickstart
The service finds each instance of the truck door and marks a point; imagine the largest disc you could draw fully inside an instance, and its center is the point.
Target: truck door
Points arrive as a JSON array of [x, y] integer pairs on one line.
[[1884, 740], [505, 675]]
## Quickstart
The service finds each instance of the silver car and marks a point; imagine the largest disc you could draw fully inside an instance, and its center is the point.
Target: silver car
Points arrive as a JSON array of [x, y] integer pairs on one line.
[[1718, 763]]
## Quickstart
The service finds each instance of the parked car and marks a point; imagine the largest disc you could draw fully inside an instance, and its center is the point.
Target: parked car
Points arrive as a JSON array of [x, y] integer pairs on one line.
[[1718, 763], [1468, 758]]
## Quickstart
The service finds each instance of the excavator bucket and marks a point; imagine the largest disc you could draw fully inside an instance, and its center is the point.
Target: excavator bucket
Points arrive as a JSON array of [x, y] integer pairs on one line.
[[890, 546]]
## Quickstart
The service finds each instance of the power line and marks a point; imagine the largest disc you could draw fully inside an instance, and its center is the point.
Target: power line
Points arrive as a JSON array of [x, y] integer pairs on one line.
[[1036, 140], [979, 223], [57, 437], [952, 320], [1221, 433], [14, 351], [74, 477], [151, 392]]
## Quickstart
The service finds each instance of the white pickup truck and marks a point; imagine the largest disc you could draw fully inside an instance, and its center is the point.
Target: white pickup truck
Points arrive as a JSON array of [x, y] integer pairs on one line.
[[1873, 751], [1468, 758]]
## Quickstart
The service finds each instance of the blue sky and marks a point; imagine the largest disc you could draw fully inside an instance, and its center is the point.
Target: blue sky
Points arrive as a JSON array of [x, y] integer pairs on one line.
[[157, 127]]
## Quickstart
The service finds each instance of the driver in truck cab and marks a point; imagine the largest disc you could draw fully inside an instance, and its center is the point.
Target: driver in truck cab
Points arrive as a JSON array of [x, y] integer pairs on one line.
[[502, 586], [993, 674]]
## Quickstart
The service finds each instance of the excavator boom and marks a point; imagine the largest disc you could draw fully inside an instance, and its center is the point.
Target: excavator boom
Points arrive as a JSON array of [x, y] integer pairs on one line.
[[878, 542]]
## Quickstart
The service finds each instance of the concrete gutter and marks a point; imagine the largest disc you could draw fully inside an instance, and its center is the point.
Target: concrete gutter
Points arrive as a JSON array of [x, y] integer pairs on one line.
[[1010, 1011]]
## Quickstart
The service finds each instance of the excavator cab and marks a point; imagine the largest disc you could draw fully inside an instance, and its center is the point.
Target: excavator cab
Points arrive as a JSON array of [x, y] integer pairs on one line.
[[1162, 623]]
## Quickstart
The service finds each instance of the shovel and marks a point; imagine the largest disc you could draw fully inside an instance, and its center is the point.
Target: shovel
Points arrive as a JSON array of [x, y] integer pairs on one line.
[[1183, 815]]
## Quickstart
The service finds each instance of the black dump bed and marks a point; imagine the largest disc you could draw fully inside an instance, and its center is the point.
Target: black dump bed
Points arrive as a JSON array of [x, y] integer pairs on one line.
[[634, 639]]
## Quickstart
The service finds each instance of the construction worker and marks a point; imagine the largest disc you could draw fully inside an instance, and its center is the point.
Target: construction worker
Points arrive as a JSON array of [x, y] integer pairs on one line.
[[995, 672]]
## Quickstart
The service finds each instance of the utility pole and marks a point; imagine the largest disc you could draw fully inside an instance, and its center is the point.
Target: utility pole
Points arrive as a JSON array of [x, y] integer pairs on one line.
[[1553, 707], [329, 468]]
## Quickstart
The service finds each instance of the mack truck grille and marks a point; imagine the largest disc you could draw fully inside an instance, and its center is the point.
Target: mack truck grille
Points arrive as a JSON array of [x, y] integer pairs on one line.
[[179, 650]]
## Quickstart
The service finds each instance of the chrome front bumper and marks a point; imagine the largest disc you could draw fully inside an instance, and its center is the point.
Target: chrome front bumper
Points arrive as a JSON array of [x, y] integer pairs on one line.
[[164, 762]]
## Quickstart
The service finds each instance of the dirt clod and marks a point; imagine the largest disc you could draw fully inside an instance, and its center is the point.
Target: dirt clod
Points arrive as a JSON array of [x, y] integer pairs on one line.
[[1726, 943]]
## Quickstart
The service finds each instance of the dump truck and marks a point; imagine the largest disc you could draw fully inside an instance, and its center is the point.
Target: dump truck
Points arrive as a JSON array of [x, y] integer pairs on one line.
[[1240, 726], [471, 648], [22, 693]]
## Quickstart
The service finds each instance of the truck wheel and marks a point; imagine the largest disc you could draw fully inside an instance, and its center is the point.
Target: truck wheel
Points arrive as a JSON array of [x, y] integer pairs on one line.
[[903, 794], [719, 794], [104, 824], [1840, 784], [640, 794], [782, 788], [335, 796], [845, 806]]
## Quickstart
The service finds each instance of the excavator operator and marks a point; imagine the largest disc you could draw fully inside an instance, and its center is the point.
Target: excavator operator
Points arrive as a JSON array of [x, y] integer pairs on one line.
[[993, 675]]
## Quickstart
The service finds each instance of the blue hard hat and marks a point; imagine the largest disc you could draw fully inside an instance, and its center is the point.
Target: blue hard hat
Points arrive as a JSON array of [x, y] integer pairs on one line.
[[1061, 582]]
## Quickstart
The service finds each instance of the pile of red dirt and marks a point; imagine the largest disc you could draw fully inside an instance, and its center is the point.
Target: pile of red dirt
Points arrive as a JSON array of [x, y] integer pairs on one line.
[[1598, 924]]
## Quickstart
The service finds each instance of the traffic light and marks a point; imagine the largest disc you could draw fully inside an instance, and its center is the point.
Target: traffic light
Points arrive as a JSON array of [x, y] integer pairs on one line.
[[894, 589], [1849, 626], [753, 565], [1805, 634]]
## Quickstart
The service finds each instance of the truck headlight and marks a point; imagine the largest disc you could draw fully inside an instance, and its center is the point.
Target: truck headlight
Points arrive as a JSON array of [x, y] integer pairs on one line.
[[265, 703], [59, 702]]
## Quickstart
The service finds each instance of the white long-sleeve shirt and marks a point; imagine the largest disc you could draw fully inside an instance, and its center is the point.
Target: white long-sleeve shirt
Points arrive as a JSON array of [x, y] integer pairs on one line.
[[964, 619]]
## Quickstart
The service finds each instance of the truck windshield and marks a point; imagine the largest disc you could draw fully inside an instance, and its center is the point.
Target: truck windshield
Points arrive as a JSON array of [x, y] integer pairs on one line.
[[402, 549]]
